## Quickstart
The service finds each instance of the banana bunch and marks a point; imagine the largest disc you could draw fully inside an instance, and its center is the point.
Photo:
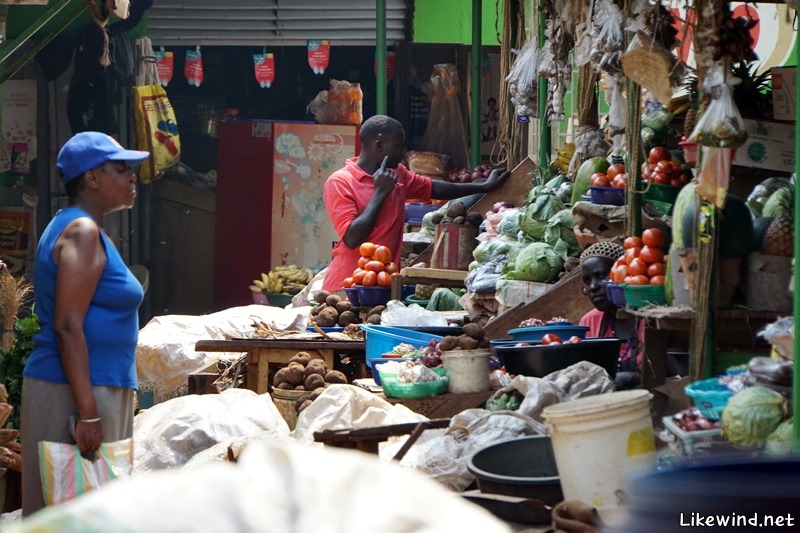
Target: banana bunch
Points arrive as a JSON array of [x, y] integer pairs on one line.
[[564, 156], [283, 278]]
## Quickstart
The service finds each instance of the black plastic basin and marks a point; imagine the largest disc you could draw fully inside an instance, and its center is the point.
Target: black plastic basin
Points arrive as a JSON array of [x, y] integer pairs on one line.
[[539, 360]]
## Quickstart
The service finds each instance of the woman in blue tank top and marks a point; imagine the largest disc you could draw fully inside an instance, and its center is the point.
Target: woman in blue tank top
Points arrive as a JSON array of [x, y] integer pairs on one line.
[[80, 379]]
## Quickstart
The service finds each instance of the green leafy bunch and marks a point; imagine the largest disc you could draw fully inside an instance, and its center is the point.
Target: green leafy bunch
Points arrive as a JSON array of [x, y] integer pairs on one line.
[[12, 362]]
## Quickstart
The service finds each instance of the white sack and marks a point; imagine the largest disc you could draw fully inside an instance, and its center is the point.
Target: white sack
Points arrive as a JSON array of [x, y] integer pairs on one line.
[[170, 433], [275, 487], [165, 353]]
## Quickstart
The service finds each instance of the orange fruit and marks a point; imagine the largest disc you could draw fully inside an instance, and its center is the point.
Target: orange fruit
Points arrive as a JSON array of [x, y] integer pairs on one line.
[[367, 249], [382, 254]]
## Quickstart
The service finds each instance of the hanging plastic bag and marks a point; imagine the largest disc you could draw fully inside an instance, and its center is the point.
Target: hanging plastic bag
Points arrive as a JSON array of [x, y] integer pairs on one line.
[[721, 125], [714, 176], [66, 474], [155, 130], [523, 80]]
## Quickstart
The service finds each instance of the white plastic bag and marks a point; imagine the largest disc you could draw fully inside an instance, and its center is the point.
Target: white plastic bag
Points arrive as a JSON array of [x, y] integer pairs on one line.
[[398, 314]]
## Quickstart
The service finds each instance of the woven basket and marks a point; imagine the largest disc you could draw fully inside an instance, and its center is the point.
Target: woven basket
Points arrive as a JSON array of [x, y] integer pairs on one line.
[[284, 400], [650, 67]]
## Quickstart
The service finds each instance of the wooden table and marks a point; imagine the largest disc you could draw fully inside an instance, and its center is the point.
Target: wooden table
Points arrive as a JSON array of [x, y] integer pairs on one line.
[[428, 276], [262, 352]]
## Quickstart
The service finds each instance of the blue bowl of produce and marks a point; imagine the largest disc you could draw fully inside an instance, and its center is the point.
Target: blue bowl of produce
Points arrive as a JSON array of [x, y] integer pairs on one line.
[[607, 195], [535, 333]]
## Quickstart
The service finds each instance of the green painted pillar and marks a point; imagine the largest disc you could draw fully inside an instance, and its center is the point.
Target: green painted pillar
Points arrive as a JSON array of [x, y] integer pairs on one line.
[[380, 57], [475, 60], [544, 123]]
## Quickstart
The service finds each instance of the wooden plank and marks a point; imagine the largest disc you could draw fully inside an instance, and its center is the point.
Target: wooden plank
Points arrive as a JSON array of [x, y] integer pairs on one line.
[[514, 190], [245, 345], [565, 299], [434, 274]]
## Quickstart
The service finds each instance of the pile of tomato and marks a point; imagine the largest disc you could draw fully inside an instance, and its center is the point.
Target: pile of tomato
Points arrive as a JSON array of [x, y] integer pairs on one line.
[[644, 262], [615, 177], [662, 169], [375, 267]]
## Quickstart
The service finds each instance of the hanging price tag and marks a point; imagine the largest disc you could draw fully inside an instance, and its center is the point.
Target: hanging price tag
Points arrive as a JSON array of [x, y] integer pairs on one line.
[[391, 66], [264, 65], [319, 53], [165, 65], [193, 67]]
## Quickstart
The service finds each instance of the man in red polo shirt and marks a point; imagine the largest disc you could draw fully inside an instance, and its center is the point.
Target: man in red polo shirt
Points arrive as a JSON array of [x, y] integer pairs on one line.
[[365, 200]]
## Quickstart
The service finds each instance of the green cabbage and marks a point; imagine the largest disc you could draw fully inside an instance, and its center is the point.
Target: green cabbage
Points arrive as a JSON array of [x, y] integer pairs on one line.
[[560, 226], [752, 415], [780, 441], [537, 262], [509, 224], [544, 207], [511, 260]]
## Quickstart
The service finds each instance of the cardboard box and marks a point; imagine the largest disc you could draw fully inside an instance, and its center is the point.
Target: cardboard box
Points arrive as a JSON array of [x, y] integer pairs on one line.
[[769, 145], [784, 92]]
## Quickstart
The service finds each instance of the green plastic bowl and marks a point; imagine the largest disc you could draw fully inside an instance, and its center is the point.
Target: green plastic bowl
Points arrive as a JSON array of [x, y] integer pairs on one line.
[[279, 299], [662, 193], [422, 303], [643, 295]]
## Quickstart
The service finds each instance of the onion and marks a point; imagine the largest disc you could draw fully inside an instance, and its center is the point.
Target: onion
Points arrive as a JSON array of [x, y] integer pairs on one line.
[[499, 205]]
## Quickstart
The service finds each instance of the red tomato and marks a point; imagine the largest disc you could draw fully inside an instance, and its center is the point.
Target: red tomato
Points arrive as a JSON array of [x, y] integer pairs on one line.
[[619, 182], [362, 261], [631, 254], [551, 338], [367, 249], [615, 170], [656, 269], [370, 279], [384, 279], [375, 266], [652, 254], [619, 273], [676, 167], [657, 280], [664, 166], [658, 153], [632, 242], [660, 178], [676, 182], [599, 180], [653, 237], [382, 254], [391, 267], [684, 179], [620, 261], [347, 283], [358, 277], [629, 280], [637, 267], [639, 280], [574, 340]]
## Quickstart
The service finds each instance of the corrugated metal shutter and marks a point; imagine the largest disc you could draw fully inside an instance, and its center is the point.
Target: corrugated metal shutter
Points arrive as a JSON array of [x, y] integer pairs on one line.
[[271, 22]]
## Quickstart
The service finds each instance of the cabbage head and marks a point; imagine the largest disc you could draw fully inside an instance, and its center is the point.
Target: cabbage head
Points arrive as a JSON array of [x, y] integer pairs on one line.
[[537, 262], [560, 226], [752, 415], [509, 224], [780, 441]]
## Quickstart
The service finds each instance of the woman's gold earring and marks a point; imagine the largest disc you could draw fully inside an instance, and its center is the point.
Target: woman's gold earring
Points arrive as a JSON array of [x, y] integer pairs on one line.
[[584, 291]]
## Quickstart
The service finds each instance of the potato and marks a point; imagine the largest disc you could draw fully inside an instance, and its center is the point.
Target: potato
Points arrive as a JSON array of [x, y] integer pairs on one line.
[[317, 309], [316, 392], [437, 217], [334, 376], [484, 343], [327, 318], [474, 331], [343, 306], [285, 386], [299, 387], [279, 377], [304, 405], [447, 220], [321, 296], [377, 310], [373, 319], [295, 374], [314, 381], [315, 367], [459, 220], [301, 400], [475, 219], [332, 300], [456, 209], [300, 357], [347, 318], [465, 342], [448, 343]]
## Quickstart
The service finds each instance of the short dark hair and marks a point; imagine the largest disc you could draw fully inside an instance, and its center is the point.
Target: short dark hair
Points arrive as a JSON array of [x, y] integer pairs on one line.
[[378, 125], [73, 187]]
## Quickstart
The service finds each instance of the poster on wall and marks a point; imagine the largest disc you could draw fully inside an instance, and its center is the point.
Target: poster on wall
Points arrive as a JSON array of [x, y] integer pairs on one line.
[[18, 140], [490, 91]]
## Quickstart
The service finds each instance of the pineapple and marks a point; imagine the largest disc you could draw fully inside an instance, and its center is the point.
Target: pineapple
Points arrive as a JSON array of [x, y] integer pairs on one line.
[[424, 292], [779, 239]]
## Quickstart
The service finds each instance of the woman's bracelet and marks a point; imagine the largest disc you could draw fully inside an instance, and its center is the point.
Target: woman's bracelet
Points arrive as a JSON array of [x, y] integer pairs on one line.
[[89, 420]]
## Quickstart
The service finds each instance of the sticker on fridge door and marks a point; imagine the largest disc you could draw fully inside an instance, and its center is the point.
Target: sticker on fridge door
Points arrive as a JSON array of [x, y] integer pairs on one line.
[[319, 53]]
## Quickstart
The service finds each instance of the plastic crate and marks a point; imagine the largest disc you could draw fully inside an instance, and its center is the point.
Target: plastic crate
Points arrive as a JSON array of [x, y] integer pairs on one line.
[[414, 211], [382, 339], [710, 396], [607, 195], [692, 440], [642, 295]]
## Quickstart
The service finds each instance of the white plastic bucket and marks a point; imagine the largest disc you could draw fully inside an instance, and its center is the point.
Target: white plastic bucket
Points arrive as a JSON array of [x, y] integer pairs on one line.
[[467, 370], [599, 443]]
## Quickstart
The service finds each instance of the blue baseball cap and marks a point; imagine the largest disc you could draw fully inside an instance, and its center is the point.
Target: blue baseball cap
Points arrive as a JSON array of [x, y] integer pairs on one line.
[[90, 149]]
